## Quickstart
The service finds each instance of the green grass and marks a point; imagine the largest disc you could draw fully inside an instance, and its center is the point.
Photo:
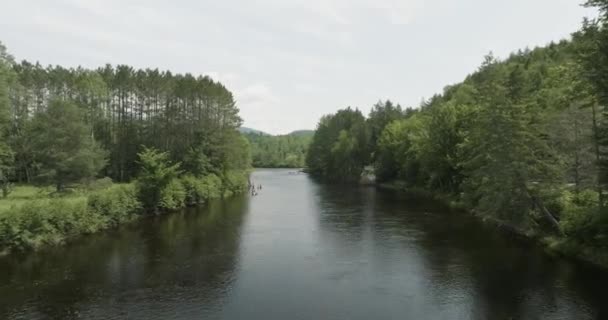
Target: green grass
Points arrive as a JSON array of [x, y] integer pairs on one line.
[[22, 194], [32, 217]]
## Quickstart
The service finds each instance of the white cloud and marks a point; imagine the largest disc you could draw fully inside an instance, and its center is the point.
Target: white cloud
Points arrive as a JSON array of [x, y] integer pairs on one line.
[[289, 61], [258, 95]]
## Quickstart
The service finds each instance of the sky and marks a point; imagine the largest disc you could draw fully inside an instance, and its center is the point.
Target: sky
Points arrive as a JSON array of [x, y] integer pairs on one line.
[[288, 62]]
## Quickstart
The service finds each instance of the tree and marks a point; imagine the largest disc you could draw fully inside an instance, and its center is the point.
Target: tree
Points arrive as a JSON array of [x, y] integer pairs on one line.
[[592, 49], [156, 173], [397, 158], [6, 154], [283, 151], [380, 116], [340, 147], [507, 159], [64, 149], [444, 130], [125, 108]]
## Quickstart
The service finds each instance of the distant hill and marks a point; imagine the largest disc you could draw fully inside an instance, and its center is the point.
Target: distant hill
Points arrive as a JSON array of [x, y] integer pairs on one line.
[[246, 130], [296, 133], [300, 133], [278, 151]]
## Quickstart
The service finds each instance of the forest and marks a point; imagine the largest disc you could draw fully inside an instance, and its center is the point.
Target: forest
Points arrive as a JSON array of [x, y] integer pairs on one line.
[[522, 141], [83, 150], [282, 151]]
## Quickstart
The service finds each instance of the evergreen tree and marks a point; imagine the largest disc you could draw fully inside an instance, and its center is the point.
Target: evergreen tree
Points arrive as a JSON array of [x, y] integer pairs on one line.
[[6, 154], [64, 148]]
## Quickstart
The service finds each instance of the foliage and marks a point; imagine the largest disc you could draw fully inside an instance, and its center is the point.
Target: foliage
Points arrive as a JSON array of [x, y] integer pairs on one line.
[[117, 204], [380, 116], [6, 153], [56, 125], [234, 181], [124, 109], [157, 173], [396, 158], [287, 151], [340, 147], [45, 222], [63, 147], [506, 142], [32, 217], [173, 195]]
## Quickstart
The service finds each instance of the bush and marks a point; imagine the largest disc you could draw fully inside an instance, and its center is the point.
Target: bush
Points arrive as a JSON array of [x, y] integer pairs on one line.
[[100, 184], [194, 189], [31, 219], [212, 186], [173, 195], [199, 190], [42, 222], [579, 214], [234, 182], [117, 204], [156, 174]]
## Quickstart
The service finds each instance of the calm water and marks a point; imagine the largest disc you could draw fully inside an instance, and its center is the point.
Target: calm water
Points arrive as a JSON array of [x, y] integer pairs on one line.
[[300, 250]]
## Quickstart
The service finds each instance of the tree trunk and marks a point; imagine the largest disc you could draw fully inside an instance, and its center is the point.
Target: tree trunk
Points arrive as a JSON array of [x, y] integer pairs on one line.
[[597, 156]]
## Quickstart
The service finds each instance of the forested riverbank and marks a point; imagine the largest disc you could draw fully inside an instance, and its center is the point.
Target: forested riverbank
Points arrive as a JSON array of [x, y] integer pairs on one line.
[[282, 151], [522, 141], [84, 150]]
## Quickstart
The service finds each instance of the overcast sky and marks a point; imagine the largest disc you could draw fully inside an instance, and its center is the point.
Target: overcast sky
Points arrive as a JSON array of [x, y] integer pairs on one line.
[[289, 62]]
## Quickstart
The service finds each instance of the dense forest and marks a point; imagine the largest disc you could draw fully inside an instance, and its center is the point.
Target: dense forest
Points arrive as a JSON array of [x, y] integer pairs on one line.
[[123, 109], [522, 140], [171, 139], [283, 151]]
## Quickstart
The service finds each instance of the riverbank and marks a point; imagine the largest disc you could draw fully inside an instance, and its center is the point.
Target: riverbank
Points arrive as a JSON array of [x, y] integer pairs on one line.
[[552, 244], [34, 217]]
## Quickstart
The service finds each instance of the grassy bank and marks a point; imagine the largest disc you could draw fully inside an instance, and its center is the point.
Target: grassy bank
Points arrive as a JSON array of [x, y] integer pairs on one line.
[[562, 245], [34, 217]]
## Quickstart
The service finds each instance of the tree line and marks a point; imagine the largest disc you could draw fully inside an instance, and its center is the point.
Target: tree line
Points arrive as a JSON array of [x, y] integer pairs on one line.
[[523, 140], [283, 151], [170, 139], [65, 125]]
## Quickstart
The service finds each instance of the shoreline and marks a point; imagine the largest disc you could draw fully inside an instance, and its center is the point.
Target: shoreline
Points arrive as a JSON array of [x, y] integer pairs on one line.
[[44, 222], [551, 244]]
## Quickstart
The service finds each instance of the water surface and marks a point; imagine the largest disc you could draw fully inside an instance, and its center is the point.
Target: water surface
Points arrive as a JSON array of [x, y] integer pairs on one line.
[[301, 250]]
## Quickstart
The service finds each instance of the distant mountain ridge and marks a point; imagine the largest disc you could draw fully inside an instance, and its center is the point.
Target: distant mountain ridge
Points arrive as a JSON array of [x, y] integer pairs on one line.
[[246, 130], [301, 133]]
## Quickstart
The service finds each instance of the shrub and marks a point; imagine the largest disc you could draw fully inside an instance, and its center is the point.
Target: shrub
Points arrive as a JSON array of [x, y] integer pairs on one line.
[[100, 184], [173, 195], [234, 182], [199, 190], [212, 186], [42, 222], [117, 204], [579, 213], [195, 189], [157, 172]]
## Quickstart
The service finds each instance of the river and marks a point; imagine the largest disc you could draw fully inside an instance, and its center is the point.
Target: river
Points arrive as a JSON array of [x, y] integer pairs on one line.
[[301, 250]]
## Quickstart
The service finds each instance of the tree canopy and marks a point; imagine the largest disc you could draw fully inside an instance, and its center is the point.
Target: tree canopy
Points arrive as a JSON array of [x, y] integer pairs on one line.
[[284, 151], [522, 139], [66, 124]]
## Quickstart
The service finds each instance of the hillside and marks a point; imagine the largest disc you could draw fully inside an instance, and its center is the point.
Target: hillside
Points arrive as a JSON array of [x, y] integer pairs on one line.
[[282, 151]]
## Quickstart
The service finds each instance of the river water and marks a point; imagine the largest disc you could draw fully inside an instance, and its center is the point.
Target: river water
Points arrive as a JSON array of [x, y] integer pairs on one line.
[[301, 250]]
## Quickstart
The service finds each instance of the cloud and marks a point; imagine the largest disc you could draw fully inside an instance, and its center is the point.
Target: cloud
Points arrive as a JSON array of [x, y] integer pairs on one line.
[[288, 61], [257, 95]]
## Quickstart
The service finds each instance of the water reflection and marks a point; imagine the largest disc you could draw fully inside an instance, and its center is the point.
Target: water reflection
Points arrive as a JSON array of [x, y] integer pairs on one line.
[[180, 264], [446, 265], [302, 250]]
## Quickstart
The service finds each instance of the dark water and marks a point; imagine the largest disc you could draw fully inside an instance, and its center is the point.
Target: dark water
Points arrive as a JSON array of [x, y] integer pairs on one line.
[[300, 250]]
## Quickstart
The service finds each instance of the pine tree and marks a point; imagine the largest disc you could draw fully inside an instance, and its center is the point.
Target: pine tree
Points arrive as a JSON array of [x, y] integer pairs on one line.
[[63, 146]]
